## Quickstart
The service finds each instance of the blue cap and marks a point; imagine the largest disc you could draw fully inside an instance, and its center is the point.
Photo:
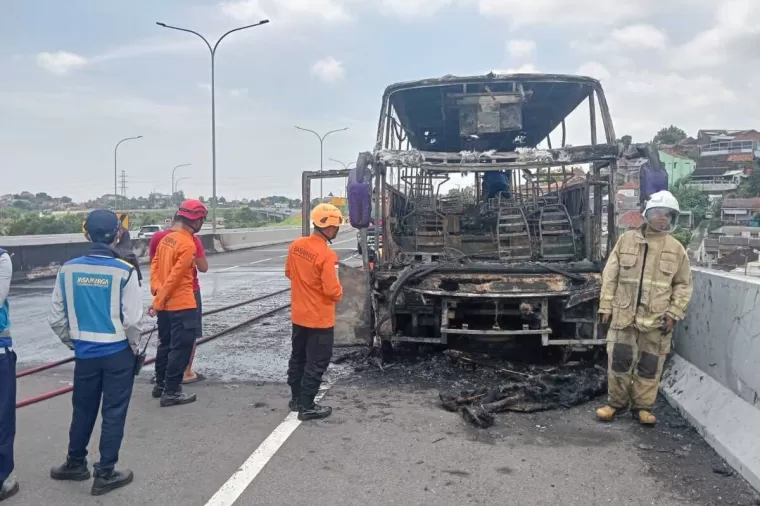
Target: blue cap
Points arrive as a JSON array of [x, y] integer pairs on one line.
[[102, 226]]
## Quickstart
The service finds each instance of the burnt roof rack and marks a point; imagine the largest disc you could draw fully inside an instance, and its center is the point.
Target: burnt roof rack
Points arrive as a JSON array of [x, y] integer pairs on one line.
[[466, 161]]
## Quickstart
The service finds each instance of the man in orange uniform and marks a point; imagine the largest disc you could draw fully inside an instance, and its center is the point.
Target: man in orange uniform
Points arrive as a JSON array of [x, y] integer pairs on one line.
[[312, 267], [201, 265], [171, 283]]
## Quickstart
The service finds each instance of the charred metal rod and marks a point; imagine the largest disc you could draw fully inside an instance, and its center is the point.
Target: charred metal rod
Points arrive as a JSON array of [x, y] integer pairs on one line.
[[45, 367], [464, 357], [64, 390]]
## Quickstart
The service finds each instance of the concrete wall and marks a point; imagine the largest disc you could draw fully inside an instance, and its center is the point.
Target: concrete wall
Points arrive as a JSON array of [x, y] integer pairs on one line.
[[714, 377], [38, 261], [721, 332]]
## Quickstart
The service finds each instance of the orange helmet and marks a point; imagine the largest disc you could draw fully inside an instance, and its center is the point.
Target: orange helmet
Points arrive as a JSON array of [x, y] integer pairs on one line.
[[326, 215], [192, 210]]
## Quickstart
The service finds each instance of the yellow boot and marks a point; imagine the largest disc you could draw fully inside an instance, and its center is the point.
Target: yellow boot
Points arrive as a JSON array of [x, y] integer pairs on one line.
[[646, 417], [606, 414]]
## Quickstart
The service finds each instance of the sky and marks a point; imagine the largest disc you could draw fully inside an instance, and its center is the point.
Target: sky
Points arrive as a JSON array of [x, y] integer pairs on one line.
[[78, 76]]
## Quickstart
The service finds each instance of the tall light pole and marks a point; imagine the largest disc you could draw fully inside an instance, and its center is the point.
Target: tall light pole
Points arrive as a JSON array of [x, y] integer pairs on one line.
[[321, 152], [175, 170], [212, 50], [176, 185], [115, 176], [346, 167], [342, 163]]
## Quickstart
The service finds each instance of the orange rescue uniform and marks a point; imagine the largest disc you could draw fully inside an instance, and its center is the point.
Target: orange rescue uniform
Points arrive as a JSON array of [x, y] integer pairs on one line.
[[171, 272], [312, 269]]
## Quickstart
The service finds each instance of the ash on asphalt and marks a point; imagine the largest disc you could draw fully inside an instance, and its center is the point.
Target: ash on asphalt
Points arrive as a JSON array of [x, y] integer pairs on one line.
[[673, 451]]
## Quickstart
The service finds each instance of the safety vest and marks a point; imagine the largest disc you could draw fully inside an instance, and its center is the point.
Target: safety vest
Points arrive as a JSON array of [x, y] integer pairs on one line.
[[91, 288], [5, 320]]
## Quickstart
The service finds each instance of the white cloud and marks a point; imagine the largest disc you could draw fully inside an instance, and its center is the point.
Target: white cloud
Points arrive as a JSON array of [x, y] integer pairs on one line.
[[735, 34], [249, 11], [528, 68], [521, 48], [640, 37], [329, 70], [416, 8], [60, 62], [239, 92], [563, 12], [593, 69]]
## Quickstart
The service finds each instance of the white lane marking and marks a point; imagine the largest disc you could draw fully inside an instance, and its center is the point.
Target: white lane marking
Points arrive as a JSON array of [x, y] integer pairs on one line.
[[259, 261], [249, 263], [234, 487]]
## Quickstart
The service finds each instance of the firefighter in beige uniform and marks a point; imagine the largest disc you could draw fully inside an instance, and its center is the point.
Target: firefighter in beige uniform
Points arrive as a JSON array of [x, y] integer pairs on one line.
[[646, 288]]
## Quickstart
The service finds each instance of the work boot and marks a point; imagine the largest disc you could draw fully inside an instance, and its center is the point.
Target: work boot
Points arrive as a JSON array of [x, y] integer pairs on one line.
[[176, 399], [8, 488], [606, 413], [645, 417], [295, 398], [158, 391], [71, 471], [314, 412], [106, 482]]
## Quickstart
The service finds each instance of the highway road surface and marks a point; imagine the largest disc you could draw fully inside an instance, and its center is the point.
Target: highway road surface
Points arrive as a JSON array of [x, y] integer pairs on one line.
[[388, 441]]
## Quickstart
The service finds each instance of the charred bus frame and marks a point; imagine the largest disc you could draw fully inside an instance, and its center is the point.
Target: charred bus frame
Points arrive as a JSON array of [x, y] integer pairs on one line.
[[434, 279]]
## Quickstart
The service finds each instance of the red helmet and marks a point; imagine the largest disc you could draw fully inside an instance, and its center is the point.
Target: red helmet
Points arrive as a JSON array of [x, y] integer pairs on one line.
[[192, 209]]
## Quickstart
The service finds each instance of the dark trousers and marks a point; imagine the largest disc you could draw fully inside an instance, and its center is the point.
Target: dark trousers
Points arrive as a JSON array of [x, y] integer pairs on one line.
[[199, 304], [7, 412], [176, 336], [312, 351], [109, 378]]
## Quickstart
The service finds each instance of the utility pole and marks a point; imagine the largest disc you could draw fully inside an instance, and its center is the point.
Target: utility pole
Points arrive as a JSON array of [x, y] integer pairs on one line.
[[321, 154], [212, 50], [124, 186]]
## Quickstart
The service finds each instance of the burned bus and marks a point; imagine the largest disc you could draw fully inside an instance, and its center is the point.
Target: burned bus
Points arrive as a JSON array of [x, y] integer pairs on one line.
[[516, 252]]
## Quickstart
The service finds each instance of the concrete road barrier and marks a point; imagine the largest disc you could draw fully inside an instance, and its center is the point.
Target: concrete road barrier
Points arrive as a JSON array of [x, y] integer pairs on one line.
[[33, 258], [714, 379]]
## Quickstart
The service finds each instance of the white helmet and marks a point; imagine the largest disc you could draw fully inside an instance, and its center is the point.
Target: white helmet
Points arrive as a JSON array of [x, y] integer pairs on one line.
[[662, 205]]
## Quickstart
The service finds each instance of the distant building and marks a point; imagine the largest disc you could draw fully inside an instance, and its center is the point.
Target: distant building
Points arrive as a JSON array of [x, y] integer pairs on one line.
[[739, 211], [725, 159], [677, 165], [736, 243]]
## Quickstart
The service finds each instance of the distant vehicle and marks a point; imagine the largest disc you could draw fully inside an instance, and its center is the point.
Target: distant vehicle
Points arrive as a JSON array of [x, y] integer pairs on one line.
[[147, 231]]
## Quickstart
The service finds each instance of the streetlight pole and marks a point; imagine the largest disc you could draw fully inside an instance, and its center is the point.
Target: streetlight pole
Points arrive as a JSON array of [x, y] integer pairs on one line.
[[176, 185], [346, 167], [342, 163], [321, 152], [115, 176], [173, 171], [212, 50]]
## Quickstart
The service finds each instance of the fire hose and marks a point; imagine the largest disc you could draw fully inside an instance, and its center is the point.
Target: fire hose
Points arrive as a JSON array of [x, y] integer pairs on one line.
[[253, 319]]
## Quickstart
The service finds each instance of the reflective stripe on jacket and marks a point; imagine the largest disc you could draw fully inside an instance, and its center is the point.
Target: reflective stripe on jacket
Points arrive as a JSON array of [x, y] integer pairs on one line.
[[312, 269], [97, 305], [639, 291], [6, 272]]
